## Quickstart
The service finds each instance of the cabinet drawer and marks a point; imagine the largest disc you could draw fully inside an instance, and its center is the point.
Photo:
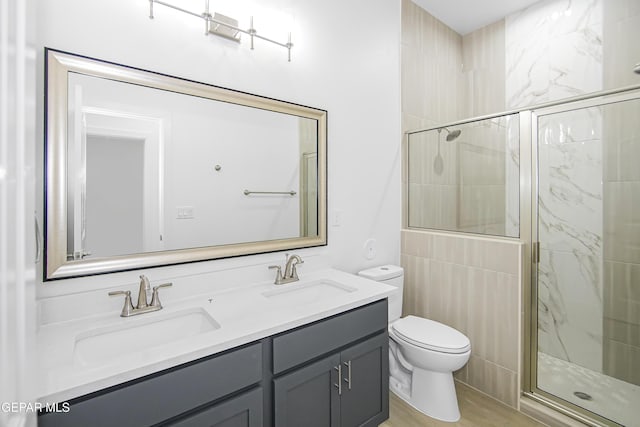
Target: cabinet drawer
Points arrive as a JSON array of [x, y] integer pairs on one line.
[[242, 411], [308, 342], [162, 396]]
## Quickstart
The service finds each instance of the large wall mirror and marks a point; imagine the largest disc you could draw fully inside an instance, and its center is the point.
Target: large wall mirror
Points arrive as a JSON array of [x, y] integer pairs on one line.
[[144, 169]]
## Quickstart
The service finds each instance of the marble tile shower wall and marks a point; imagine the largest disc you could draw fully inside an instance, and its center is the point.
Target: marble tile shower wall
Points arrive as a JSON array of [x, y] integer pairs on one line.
[[554, 51], [473, 285], [570, 233]]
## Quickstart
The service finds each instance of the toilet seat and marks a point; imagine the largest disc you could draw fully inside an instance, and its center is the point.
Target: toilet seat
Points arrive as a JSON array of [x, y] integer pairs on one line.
[[431, 335]]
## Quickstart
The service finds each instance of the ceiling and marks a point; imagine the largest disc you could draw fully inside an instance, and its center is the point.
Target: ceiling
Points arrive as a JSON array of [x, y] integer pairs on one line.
[[465, 16]]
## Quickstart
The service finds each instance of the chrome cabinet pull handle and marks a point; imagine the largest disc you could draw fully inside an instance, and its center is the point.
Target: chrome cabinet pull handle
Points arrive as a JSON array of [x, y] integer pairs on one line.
[[348, 379], [339, 385]]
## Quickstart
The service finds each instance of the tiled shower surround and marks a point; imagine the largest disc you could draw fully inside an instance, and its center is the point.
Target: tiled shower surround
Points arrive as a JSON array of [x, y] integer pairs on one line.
[[550, 51], [554, 51], [473, 285]]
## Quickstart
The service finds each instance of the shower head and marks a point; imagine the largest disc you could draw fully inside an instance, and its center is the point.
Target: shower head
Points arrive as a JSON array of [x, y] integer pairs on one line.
[[636, 68], [451, 134]]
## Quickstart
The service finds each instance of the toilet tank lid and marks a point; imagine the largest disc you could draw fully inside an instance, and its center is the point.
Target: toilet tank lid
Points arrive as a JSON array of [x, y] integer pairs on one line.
[[384, 272]]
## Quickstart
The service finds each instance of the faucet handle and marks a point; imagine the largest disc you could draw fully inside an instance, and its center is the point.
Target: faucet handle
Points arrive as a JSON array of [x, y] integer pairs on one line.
[[128, 305], [155, 299], [278, 280]]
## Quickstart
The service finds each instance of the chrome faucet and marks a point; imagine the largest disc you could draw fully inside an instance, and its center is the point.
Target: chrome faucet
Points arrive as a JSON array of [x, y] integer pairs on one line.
[[290, 272], [143, 305], [145, 288]]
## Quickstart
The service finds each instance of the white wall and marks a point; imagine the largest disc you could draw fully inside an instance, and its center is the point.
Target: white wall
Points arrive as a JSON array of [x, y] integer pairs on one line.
[[261, 157], [345, 60], [197, 134], [17, 243]]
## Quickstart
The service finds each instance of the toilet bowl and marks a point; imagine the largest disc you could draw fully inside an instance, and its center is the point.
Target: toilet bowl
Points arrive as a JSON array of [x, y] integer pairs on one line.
[[423, 354]]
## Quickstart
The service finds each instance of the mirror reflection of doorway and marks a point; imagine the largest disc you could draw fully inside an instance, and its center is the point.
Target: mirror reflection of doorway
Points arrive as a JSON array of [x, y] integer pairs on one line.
[[118, 195], [114, 195]]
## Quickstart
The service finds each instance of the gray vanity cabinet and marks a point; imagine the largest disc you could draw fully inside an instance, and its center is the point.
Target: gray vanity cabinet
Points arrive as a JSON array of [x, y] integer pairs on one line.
[[333, 372], [177, 392], [305, 396], [365, 383], [349, 386], [345, 389], [242, 411]]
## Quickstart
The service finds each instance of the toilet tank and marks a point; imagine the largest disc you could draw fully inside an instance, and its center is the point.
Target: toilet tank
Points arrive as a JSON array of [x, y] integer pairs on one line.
[[392, 275]]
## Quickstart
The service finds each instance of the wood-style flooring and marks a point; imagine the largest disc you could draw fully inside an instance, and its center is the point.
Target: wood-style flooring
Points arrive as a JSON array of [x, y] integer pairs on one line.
[[476, 410]]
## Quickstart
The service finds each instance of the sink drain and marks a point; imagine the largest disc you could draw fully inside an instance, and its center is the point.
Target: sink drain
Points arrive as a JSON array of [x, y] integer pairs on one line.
[[582, 395]]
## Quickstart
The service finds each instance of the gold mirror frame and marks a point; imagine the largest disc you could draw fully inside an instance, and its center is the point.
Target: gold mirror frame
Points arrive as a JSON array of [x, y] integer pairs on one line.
[[58, 65]]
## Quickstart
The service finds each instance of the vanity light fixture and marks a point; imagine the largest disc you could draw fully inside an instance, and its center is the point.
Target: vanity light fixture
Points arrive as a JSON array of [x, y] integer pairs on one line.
[[223, 26]]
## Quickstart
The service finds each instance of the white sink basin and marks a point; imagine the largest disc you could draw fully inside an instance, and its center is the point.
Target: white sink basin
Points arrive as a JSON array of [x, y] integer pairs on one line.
[[100, 345], [303, 293]]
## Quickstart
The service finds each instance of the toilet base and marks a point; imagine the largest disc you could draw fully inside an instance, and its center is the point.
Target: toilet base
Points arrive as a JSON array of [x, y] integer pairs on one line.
[[433, 394]]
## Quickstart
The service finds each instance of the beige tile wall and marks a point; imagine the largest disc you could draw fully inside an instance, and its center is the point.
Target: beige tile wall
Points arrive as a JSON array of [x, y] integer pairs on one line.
[[483, 68], [620, 49], [621, 330], [448, 77], [621, 352], [472, 284], [621, 281], [432, 91], [432, 84]]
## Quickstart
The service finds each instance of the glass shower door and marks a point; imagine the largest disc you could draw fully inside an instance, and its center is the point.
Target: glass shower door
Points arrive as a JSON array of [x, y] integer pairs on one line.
[[588, 273]]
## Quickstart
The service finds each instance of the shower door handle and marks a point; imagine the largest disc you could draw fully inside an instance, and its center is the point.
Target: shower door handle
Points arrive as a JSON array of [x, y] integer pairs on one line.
[[535, 252]]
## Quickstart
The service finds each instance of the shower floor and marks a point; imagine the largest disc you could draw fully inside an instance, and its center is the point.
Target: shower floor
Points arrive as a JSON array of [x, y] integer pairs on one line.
[[610, 397]]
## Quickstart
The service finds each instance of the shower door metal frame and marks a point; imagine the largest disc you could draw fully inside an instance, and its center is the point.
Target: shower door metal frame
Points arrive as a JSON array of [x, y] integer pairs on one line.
[[529, 196]]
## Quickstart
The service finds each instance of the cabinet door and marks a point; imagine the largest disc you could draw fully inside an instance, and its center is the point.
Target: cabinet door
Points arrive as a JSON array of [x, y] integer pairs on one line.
[[309, 396], [242, 411], [170, 393], [365, 383]]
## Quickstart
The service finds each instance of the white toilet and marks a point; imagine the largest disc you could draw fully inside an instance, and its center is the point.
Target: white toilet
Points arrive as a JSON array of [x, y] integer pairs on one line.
[[422, 354]]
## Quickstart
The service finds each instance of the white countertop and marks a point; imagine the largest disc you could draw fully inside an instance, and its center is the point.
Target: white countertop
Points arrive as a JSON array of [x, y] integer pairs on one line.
[[244, 315]]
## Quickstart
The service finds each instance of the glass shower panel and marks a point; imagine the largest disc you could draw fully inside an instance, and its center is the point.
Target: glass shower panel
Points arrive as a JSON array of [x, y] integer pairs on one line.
[[466, 177], [589, 270]]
